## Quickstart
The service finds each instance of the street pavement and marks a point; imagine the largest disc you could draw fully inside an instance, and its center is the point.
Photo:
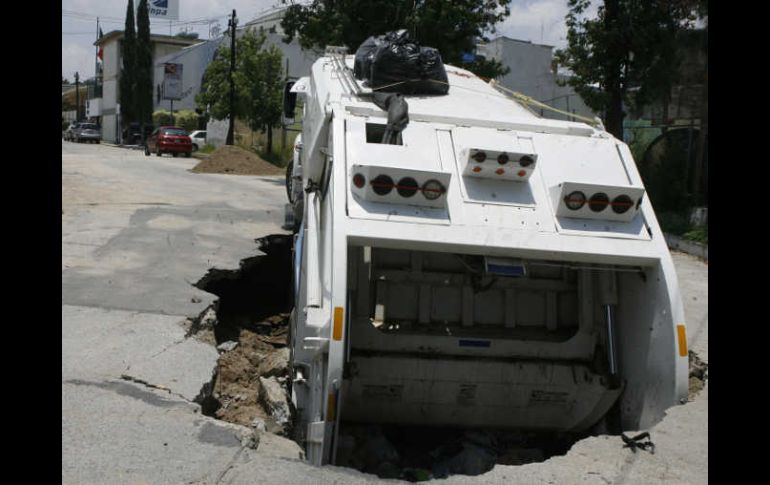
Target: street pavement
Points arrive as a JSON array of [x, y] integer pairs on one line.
[[137, 232]]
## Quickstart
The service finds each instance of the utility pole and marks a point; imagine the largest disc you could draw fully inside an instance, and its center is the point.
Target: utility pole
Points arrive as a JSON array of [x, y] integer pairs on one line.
[[231, 129], [77, 97]]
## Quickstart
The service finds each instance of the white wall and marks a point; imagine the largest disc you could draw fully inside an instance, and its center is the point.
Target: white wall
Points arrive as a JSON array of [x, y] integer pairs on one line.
[[531, 74]]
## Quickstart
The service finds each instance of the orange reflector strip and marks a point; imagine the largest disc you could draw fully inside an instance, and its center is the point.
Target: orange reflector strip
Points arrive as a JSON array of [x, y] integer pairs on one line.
[[337, 333], [331, 407], [680, 331]]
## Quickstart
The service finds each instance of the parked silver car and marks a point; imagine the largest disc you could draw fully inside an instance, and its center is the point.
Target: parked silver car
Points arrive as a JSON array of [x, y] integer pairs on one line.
[[88, 132]]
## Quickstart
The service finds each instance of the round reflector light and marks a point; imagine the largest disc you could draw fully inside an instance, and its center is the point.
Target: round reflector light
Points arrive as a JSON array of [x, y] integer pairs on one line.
[[359, 180], [382, 185], [476, 169], [526, 161], [432, 189], [621, 204], [499, 171], [521, 173], [480, 156], [502, 159], [407, 187], [575, 200], [598, 202]]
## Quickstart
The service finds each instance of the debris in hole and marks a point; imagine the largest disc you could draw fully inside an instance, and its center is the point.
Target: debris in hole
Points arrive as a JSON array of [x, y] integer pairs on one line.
[[227, 346], [250, 327], [420, 453], [698, 375], [272, 395]]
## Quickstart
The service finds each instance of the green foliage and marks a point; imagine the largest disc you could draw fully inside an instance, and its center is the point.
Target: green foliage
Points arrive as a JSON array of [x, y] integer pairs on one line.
[[698, 234], [187, 35], [186, 119], [258, 83], [64, 124], [628, 51], [143, 89], [260, 79], [162, 117], [673, 222], [128, 73], [451, 27], [208, 148], [215, 87]]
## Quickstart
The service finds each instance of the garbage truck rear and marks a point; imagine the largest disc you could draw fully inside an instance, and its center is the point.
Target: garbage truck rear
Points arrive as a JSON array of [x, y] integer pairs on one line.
[[489, 269]]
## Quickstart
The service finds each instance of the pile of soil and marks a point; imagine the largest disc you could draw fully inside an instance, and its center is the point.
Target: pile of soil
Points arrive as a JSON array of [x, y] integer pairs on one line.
[[235, 160]]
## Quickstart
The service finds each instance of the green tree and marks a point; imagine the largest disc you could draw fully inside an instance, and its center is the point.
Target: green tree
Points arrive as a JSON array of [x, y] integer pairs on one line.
[[127, 71], [214, 96], [258, 84], [143, 90], [261, 83], [628, 51], [451, 27]]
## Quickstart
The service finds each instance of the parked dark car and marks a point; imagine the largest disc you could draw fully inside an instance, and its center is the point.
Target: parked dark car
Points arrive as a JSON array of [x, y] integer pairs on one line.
[[168, 139], [133, 134], [87, 132]]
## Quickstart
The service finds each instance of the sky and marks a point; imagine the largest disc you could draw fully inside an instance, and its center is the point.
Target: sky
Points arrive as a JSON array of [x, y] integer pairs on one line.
[[538, 21]]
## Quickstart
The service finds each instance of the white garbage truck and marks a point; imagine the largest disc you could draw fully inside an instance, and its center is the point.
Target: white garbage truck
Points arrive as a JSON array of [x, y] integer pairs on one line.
[[486, 268]]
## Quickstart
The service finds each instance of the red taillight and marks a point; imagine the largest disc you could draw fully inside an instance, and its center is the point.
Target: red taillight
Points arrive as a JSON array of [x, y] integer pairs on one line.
[[480, 156], [621, 204], [499, 171], [476, 169], [502, 159], [382, 185], [359, 180], [521, 173]]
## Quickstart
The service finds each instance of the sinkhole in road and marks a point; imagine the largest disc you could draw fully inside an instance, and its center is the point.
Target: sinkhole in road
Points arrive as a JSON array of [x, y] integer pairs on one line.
[[250, 330]]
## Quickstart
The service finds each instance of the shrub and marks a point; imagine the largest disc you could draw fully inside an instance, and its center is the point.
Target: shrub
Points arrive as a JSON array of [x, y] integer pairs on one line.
[[161, 117]]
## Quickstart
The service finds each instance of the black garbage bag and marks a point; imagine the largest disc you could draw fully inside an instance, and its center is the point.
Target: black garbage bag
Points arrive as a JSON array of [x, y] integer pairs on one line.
[[362, 66], [394, 63]]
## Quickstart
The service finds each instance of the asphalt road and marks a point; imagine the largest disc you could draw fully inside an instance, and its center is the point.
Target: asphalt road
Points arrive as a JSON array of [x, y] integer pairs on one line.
[[136, 233]]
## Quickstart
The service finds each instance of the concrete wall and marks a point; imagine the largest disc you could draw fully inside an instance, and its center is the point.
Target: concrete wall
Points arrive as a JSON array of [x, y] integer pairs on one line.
[[532, 74]]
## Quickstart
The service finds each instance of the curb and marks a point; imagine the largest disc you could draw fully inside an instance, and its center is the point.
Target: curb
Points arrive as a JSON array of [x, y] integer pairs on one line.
[[690, 247]]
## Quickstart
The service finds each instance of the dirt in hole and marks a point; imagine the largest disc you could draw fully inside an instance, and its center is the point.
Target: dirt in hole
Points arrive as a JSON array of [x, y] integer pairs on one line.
[[250, 331], [417, 453], [699, 371]]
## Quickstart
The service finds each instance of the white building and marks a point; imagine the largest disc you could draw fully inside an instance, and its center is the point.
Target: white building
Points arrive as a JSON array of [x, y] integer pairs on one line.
[[533, 73], [106, 107]]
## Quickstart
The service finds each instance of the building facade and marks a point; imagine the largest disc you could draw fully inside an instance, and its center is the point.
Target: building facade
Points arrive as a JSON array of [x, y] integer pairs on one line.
[[107, 108], [533, 72]]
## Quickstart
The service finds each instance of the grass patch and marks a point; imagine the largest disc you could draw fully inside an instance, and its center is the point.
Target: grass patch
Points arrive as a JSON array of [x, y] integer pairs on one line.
[[698, 234], [208, 148]]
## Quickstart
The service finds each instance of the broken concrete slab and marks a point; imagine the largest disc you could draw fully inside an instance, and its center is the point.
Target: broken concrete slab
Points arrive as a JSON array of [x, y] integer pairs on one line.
[[227, 346], [273, 397], [183, 368]]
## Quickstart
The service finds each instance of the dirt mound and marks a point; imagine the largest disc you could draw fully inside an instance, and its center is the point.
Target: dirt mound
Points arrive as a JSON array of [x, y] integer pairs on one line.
[[235, 160]]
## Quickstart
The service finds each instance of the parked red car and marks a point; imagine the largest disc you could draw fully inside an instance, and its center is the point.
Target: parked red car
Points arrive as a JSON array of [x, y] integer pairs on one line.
[[168, 139]]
